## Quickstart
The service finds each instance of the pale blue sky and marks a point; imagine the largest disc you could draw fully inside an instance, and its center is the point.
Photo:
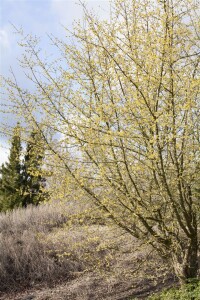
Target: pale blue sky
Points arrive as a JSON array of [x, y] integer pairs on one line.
[[38, 17]]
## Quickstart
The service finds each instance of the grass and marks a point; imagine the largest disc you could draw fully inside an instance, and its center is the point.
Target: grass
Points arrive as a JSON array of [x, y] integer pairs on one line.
[[24, 258], [49, 243], [61, 243], [188, 292]]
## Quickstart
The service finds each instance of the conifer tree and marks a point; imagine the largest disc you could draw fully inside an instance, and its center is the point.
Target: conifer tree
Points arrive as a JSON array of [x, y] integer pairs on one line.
[[10, 182], [33, 180]]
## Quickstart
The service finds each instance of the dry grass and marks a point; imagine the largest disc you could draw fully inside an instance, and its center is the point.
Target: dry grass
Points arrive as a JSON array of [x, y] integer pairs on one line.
[[25, 259], [37, 245], [56, 242]]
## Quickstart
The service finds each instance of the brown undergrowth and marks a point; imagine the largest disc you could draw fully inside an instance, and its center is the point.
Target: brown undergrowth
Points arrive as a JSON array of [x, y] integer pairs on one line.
[[56, 243]]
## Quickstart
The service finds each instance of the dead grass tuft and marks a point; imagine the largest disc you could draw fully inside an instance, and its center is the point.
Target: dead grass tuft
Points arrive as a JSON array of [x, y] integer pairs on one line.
[[24, 257]]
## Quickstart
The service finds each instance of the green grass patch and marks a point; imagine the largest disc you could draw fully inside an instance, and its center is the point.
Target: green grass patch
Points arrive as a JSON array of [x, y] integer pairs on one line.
[[190, 291]]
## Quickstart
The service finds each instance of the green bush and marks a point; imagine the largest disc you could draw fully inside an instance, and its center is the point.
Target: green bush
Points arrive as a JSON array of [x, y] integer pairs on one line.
[[188, 292]]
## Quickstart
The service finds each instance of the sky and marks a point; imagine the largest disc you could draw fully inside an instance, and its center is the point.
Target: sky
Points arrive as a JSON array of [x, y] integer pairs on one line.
[[40, 18]]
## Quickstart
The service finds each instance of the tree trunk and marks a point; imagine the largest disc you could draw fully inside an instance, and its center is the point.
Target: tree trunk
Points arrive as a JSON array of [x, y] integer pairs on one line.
[[187, 267]]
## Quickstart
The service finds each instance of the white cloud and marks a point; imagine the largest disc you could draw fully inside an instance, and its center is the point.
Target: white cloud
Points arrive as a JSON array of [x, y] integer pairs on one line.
[[4, 39]]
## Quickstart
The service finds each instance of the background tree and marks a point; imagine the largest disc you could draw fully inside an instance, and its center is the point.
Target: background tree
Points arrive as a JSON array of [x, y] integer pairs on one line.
[[128, 106], [34, 182], [10, 182], [22, 180]]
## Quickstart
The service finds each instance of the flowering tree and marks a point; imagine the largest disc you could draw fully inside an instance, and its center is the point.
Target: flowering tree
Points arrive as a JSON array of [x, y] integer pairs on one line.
[[125, 99]]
